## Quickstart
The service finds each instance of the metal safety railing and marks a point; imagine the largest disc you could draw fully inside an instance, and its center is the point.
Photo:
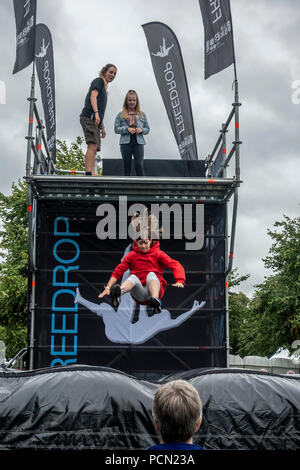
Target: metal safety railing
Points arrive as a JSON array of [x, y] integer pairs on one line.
[[18, 360], [217, 162]]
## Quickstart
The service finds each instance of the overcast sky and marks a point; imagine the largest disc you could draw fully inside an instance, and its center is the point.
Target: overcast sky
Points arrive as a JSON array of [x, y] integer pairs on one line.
[[87, 34]]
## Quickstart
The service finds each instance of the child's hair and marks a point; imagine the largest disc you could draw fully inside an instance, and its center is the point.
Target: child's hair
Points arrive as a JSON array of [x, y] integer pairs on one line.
[[177, 409], [145, 226], [125, 106]]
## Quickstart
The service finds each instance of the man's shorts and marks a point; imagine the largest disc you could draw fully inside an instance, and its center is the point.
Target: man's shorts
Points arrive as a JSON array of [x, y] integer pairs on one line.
[[91, 133]]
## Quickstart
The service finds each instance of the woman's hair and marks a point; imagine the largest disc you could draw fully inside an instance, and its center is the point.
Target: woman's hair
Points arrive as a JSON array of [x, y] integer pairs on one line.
[[104, 70], [125, 105], [145, 227], [177, 409]]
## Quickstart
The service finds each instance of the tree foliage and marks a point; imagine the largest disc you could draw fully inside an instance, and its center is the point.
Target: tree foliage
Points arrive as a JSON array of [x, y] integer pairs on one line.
[[13, 268], [72, 157], [274, 316], [238, 310]]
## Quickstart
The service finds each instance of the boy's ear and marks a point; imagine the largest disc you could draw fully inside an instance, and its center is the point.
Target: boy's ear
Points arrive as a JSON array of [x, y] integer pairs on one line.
[[199, 424], [156, 425]]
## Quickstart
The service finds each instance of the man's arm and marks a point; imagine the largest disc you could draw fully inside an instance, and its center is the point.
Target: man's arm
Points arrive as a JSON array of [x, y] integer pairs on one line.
[[94, 104]]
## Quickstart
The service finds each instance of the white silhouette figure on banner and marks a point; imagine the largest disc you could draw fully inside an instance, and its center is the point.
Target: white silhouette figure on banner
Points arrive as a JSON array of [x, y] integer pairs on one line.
[[118, 325], [164, 51], [43, 49]]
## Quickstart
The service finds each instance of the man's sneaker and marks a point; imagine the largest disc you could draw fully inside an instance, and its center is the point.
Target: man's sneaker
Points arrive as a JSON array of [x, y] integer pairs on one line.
[[88, 173], [115, 293], [155, 303]]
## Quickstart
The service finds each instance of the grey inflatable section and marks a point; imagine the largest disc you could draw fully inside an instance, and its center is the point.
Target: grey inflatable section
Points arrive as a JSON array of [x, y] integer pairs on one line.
[[86, 407]]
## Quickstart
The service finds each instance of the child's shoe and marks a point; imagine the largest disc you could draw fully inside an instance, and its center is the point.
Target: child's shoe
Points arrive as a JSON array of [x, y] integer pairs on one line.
[[115, 293], [155, 303]]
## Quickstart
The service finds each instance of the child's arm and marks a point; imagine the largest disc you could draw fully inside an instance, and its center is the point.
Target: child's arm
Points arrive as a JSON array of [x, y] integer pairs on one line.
[[116, 275], [175, 266], [110, 283], [178, 284]]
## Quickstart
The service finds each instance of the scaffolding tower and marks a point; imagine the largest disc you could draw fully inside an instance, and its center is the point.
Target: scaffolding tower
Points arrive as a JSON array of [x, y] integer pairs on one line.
[[49, 185]]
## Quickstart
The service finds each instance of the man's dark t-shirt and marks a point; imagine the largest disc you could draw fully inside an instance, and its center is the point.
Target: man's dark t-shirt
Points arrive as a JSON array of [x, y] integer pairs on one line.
[[97, 84]]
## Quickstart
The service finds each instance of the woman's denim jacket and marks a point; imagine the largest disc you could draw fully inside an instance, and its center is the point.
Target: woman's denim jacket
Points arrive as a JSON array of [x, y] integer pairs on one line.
[[121, 127]]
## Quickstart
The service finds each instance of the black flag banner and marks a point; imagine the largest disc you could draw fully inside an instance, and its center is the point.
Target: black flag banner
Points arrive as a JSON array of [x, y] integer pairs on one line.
[[219, 50], [171, 79], [45, 71], [25, 16]]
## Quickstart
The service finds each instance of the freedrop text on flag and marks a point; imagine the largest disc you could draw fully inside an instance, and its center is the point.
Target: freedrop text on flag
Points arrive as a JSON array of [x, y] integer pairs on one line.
[[45, 70], [171, 79]]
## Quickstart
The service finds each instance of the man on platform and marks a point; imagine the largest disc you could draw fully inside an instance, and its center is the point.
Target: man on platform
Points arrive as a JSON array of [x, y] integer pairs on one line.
[[92, 115]]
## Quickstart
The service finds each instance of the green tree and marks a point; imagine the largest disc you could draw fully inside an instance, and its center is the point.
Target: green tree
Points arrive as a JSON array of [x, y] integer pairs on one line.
[[13, 268], [274, 314], [284, 260], [72, 157], [238, 310]]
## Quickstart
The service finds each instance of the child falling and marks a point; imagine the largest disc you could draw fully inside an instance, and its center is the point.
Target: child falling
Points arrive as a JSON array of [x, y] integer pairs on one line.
[[146, 262]]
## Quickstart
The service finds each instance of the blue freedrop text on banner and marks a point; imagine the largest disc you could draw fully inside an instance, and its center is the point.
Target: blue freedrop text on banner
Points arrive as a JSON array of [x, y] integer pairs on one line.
[[25, 16], [168, 66], [218, 35], [45, 70]]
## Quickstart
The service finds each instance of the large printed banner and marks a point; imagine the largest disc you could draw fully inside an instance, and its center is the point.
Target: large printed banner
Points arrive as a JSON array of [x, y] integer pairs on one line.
[[219, 49], [171, 79], [45, 70], [78, 248], [25, 16]]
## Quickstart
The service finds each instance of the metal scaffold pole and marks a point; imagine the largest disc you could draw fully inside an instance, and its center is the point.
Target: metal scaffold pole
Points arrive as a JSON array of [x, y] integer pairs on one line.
[[30, 137], [31, 230], [236, 147]]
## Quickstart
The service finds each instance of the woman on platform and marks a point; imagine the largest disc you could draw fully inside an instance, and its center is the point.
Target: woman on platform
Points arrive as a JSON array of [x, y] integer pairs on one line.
[[131, 123]]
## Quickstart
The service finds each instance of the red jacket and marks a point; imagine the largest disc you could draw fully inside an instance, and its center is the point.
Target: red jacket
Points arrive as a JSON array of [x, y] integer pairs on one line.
[[154, 260]]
